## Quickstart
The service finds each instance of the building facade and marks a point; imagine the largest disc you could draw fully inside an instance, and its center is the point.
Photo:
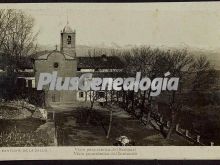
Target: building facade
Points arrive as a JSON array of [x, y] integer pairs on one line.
[[67, 64], [64, 62]]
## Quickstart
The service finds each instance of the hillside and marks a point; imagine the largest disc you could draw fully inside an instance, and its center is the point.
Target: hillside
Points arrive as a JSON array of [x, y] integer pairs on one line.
[[82, 50]]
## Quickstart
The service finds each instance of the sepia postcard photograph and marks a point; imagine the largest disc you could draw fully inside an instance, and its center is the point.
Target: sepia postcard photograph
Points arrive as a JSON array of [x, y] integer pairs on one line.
[[115, 78]]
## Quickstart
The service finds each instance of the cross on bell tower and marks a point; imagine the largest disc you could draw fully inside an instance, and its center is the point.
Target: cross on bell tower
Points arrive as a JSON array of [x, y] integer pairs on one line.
[[67, 41]]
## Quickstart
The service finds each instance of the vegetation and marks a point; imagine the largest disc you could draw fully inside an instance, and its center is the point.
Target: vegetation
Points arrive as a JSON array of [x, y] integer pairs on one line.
[[197, 78], [195, 73], [17, 39], [16, 138]]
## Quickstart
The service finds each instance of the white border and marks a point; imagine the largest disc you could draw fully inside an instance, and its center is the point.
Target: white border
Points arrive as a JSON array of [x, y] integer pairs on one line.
[[73, 153], [146, 152]]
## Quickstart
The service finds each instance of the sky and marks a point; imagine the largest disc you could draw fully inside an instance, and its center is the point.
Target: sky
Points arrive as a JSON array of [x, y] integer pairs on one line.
[[160, 24]]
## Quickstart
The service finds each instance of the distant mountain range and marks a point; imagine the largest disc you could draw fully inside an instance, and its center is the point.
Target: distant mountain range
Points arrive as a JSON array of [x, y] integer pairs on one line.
[[212, 55], [83, 50]]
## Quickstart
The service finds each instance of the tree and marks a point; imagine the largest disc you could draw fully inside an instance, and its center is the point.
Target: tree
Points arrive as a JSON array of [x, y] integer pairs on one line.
[[111, 71], [179, 65], [155, 65], [17, 37], [203, 73], [151, 63], [130, 58], [6, 19]]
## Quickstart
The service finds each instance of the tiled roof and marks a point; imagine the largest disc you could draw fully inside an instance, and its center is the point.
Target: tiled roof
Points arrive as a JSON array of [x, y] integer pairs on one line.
[[44, 55], [67, 29], [97, 62], [100, 62], [40, 53], [23, 63]]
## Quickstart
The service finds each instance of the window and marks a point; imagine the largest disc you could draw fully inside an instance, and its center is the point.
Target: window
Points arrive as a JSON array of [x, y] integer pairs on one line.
[[104, 57], [53, 98], [56, 97], [81, 94], [56, 65], [69, 40], [30, 83], [101, 94]]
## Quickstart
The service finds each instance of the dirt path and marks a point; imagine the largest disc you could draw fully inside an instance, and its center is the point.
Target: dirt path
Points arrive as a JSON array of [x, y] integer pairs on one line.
[[72, 129]]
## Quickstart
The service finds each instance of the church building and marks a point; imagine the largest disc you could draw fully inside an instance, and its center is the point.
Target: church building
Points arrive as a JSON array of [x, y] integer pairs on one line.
[[67, 64], [64, 62]]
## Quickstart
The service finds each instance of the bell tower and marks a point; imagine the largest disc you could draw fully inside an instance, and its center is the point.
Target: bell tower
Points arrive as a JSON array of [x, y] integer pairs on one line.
[[67, 41]]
